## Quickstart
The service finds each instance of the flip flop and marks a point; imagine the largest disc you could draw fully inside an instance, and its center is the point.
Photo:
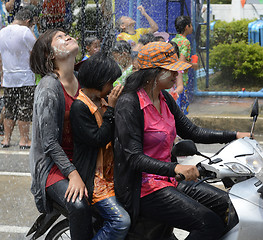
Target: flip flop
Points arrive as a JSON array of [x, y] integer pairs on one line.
[[24, 147], [5, 145]]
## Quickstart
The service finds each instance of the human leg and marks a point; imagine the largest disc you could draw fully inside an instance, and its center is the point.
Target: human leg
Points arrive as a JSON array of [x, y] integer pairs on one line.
[[116, 220], [213, 198], [10, 114], [175, 208], [24, 134], [79, 212], [24, 115]]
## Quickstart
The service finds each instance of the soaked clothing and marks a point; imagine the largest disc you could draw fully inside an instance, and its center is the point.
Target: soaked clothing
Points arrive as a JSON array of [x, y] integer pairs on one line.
[[79, 212], [103, 181], [47, 133], [55, 174], [93, 158], [159, 133], [19, 103], [199, 209], [133, 39], [130, 159], [93, 154]]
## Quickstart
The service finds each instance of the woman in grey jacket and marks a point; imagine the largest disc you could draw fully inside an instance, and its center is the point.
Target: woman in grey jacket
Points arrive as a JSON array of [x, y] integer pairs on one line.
[[54, 177]]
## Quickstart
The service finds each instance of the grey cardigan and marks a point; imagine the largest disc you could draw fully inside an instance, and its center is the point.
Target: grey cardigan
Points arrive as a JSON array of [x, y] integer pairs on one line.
[[47, 128]]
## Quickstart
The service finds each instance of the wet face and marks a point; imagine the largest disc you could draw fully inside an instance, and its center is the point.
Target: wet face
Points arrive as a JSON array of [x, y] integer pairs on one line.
[[128, 25], [63, 45], [94, 47], [106, 89], [167, 79]]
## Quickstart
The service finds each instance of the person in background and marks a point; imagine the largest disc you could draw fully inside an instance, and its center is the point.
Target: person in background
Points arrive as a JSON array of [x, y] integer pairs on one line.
[[12, 7], [146, 181], [122, 54], [92, 46], [92, 121], [54, 176], [184, 27], [3, 14], [16, 42], [126, 26], [143, 40], [161, 36], [178, 87]]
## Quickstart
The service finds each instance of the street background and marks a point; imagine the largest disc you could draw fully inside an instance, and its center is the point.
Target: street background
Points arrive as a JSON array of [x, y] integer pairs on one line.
[[17, 207]]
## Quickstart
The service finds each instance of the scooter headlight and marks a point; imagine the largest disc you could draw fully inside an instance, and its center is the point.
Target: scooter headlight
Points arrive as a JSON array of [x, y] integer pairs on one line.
[[255, 162], [238, 168]]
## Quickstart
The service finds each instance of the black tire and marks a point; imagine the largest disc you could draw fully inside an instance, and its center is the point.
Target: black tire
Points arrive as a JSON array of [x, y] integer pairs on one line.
[[59, 231]]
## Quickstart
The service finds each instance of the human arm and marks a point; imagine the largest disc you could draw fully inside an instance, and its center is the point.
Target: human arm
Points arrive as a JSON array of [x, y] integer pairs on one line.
[[153, 25], [188, 130], [76, 187], [85, 128]]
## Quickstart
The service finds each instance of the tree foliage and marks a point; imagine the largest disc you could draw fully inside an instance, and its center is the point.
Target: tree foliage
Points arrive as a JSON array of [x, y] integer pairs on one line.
[[238, 61]]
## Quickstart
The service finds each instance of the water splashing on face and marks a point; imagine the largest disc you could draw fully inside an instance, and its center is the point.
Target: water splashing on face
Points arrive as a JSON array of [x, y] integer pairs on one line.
[[60, 49], [165, 75]]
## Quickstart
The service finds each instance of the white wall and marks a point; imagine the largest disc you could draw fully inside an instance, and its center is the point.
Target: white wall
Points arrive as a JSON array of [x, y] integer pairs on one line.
[[234, 11]]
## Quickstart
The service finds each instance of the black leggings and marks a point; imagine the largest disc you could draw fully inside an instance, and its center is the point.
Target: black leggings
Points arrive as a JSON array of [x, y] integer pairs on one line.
[[200, 209], [79, 212]]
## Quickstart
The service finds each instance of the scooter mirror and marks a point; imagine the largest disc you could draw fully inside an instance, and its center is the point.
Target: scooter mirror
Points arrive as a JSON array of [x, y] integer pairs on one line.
[[254, 111], [254, 114], [184, 148]]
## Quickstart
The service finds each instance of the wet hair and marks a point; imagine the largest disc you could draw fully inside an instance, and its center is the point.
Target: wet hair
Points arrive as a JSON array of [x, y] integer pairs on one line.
[[146, 38], [24, 14], [140, 79], [98, 70], [34, 9], [90, 40], [122, 46], [176, 48], [134, 54], [181, 22], [41, 58]]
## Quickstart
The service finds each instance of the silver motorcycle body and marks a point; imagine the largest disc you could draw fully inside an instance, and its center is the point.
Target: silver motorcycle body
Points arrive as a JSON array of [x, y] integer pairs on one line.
[[241, 161]]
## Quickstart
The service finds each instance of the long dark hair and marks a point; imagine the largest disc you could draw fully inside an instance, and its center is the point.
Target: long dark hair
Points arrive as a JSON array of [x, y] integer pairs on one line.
[[140, 79], [41, 58]]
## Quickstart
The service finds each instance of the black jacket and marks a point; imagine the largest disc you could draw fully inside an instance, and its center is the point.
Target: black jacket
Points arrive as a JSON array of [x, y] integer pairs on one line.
[[129, 159], [88, 138]]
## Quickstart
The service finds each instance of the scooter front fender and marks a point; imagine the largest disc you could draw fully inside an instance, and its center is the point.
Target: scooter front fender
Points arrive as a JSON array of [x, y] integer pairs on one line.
[[249, 207]]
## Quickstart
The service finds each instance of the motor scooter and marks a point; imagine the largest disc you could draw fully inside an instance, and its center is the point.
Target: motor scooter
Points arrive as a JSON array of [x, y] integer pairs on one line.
[[239, 166]]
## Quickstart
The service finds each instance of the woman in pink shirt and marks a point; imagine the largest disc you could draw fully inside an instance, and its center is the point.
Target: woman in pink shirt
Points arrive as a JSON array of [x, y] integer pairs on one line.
[[147, 121]]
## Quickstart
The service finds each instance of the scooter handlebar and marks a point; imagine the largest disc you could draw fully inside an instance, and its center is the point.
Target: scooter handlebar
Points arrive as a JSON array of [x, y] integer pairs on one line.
[[203, 173]]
